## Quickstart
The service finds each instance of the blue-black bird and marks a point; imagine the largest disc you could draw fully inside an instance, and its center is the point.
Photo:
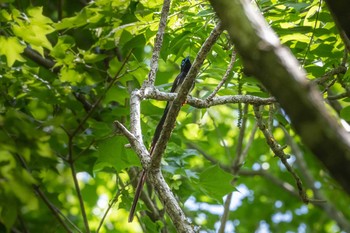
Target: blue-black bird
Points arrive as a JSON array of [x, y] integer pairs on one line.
[[185, 67]]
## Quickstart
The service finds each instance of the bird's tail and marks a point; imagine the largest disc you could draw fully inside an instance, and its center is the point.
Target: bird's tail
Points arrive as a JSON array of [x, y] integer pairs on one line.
[[137, 195]]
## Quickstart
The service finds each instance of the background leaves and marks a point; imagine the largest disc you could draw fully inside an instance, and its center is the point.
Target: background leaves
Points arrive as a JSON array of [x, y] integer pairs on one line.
[[48, 128]]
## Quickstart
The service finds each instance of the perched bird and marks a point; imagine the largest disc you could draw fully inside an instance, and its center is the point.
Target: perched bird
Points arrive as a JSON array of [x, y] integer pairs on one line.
[[185, 67]]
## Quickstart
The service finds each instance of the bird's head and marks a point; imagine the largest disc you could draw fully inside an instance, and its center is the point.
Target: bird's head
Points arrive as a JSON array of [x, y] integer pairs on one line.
[[186, 64]]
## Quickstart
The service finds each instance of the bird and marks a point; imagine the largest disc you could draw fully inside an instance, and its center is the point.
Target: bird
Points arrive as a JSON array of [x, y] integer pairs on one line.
[[185, 67]]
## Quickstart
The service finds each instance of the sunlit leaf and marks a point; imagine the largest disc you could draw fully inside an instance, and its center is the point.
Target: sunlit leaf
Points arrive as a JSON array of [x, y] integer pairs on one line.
[[13, 54]]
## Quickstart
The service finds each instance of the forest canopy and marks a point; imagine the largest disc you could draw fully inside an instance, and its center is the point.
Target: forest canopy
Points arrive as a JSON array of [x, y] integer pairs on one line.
[[261, 144]]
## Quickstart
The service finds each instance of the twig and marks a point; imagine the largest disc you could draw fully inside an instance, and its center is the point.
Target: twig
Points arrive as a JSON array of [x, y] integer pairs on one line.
[[250, 140], [55, 211], [110, 205], [157, 46], [36, 57], [225, 215], [271, 117], [236, 165], [278, 151], [313, 32], [269, 177], [224, 78], [219, 100], [244, 172], [220, 136], [237, 162], [329, 75], [339, 96], [76, 183], [98, 101]]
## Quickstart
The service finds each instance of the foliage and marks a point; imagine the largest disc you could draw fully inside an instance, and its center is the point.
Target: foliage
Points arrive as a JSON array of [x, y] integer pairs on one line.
[[59, 145]]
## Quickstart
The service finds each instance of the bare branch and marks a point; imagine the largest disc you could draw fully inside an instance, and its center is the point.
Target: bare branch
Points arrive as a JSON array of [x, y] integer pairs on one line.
[[76, 183], [100, 98], [227, 73], [244, 172], [219, 100], [329, 75], [135, 115], [157, 46], [236, 165], [268, 176], [36, 57], [278, 151], [55, 211], [339, 96]]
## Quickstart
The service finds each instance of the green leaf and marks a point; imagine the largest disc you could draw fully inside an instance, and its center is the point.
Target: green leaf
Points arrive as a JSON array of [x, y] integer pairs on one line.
[[345, 113], [112, 154], [8, 214], [36, 16], [116, 94], [63, 44], [85, 16], [4, 16], [13, 54], [216, 182], [35, 30], [70, 75]]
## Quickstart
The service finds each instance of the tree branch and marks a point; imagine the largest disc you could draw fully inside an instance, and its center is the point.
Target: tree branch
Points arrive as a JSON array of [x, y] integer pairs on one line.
[[54, 210], [136, 145], [181, 97], [170, 203], [100, 98], [278, 151], [244, 172], [36, 57], [236, 165], [76, 183], [280, 72], [219, 100], [157, 46], [224, 78]]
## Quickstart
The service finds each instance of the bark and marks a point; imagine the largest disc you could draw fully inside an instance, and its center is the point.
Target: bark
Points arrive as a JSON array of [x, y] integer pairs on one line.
[[279, 71]]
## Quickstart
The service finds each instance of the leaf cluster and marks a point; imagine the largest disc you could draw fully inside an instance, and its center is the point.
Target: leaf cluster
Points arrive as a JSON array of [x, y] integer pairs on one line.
[[66, 74]]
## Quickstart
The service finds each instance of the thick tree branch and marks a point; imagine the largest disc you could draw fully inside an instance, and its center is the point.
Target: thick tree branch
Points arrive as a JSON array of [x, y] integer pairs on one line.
[[280, 72], [341, 14], [181, 97], [36, 57], [170, 203]]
